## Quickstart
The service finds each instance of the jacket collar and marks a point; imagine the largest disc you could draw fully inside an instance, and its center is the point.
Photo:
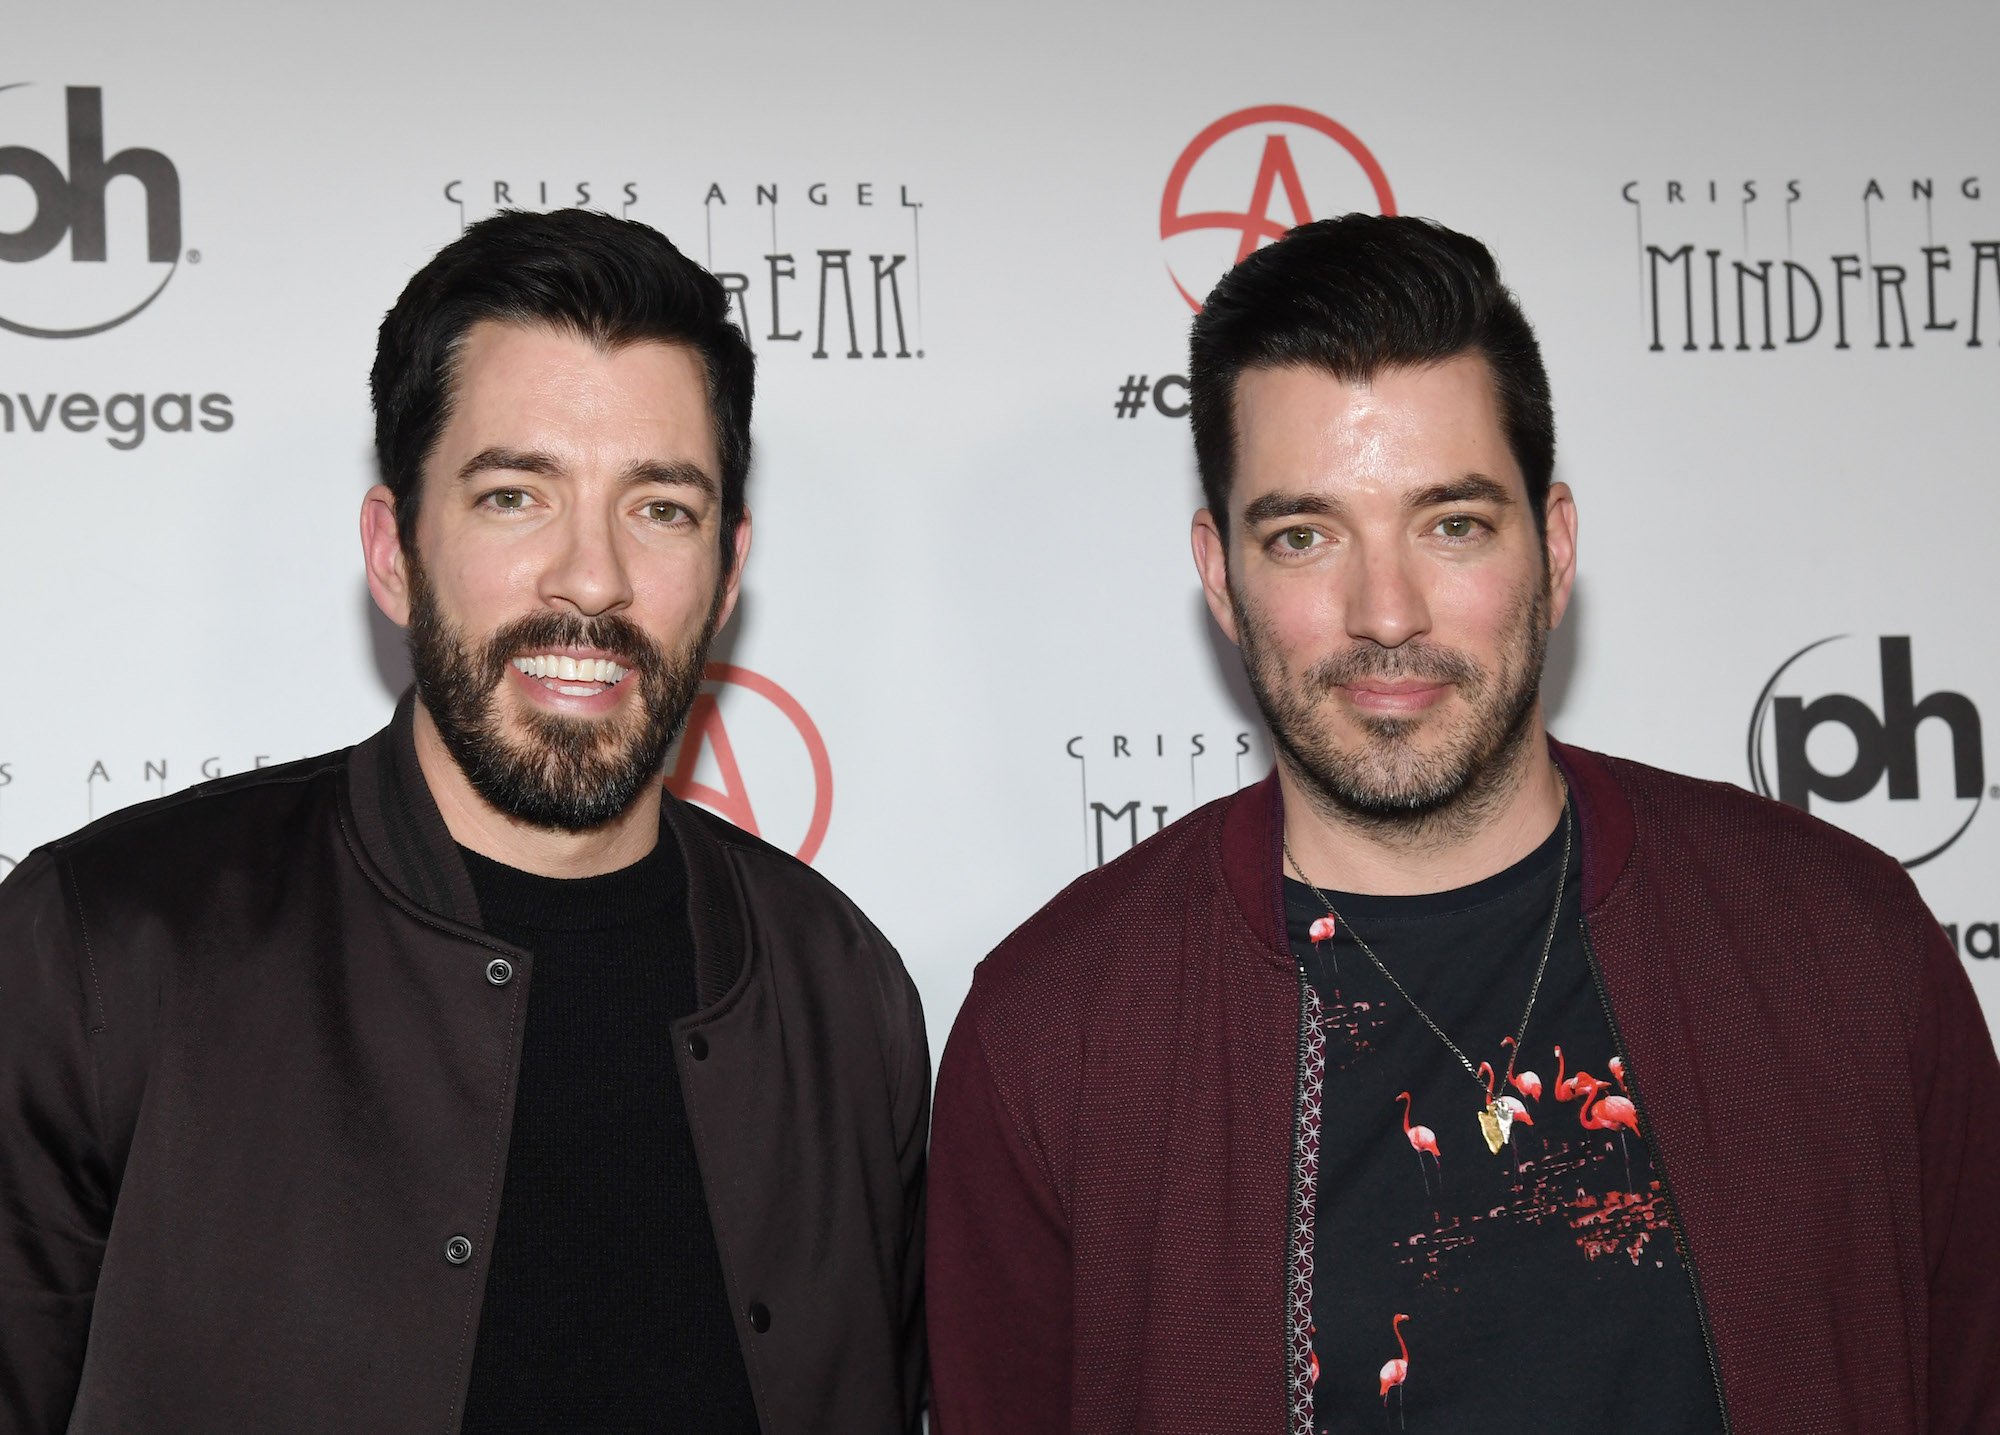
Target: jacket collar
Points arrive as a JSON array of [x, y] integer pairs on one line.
[[1604, 820], [404, 834], [1253, 825], [399, 824]]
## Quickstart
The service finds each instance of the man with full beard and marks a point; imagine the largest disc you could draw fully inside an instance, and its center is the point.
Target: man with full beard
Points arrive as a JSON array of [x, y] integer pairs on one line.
[[1452, 1078], [463, 1079]]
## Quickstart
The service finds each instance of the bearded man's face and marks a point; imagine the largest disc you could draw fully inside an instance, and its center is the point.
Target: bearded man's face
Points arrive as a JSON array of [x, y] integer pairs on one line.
[[565, 576], [1388, 584]]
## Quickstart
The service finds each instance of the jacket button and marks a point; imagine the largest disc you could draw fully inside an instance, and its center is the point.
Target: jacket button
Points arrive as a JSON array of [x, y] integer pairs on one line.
[[698, 1049], [458, 1250], [760, 1316], [499, 971]]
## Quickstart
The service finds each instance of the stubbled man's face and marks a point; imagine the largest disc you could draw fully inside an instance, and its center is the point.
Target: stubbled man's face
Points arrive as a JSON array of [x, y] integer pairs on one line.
[[1387, 583]]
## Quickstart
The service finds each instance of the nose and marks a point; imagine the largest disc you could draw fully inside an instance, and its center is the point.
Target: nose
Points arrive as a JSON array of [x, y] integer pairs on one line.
[[586, 572], [1386, 603]]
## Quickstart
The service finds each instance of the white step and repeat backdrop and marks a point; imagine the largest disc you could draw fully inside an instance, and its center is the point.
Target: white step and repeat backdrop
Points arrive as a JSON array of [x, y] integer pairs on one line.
[[1762, 246]]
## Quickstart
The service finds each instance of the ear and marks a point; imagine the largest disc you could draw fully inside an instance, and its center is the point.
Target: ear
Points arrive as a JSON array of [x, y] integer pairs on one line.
[[382, 552], [732, 585], [1211, 561], [1559, 512]]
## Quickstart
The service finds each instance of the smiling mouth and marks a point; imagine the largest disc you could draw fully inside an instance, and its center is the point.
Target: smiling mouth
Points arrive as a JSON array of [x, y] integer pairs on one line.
[[572, 677]]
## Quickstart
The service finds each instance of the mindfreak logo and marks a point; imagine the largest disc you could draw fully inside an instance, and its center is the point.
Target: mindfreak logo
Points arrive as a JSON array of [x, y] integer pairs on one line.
[[751, 754], [1316, 166], [87, 291], [1839, 747]]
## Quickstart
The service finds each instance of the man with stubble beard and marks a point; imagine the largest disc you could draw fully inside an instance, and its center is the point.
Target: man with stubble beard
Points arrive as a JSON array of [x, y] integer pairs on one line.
[[1452, 1078], [463, 1079]]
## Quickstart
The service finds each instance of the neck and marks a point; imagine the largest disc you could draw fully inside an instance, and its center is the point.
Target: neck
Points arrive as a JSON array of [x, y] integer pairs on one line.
[[1514, 815], [474, 822]]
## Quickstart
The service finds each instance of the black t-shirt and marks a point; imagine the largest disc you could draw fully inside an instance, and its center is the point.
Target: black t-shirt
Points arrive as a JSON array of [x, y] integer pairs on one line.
[[1540, 1289], [605, 1306]]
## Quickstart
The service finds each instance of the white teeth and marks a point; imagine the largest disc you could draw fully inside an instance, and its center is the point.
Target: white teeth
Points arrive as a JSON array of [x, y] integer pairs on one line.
[[560, 667], [575, 690]]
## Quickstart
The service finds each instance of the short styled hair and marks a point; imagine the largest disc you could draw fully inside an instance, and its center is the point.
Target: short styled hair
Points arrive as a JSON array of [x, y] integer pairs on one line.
[[610, 281], [1352, 297]]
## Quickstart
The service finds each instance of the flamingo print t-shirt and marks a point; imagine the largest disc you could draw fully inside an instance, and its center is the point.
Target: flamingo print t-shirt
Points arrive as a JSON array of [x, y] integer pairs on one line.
[[1540, 1289]]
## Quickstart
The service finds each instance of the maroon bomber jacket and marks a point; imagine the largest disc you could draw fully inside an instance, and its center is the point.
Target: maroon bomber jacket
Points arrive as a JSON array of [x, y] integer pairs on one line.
[[1111, 1163]]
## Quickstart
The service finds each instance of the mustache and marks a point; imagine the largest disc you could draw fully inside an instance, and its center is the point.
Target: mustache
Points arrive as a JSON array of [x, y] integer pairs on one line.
[[536, 632], [1422, 661]]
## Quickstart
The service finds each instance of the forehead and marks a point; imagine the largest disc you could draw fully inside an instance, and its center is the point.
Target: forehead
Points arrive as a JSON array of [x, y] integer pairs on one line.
[[546, 388], [1401, 428]]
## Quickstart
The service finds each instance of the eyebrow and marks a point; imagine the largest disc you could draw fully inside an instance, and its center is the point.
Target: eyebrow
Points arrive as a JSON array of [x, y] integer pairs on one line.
[[1288, 505], [1473, 488], [516, 460]]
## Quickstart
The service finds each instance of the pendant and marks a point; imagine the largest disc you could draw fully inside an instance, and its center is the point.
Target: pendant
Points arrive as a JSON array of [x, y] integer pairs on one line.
[[1494, 1123]]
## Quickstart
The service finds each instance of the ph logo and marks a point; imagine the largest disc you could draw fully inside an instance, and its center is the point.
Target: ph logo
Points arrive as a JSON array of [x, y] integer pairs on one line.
[[1837, 748], [86, 293]]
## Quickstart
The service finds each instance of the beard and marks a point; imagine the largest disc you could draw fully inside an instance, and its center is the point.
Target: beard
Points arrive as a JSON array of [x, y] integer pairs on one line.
[[563, 773], [1391, 777]]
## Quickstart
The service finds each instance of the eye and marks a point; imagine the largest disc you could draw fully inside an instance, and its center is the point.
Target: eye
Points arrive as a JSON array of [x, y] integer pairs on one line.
[[507, 500], [1459, 525], [1297, 540], [661, 510]]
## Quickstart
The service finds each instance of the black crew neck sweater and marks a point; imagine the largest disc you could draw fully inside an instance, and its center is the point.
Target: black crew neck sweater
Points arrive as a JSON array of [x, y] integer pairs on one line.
[[605, 1305]]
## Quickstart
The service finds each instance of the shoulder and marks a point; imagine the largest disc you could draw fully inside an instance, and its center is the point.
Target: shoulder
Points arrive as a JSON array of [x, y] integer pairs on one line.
[[229, 810], [1790, 888], [1718, 824], [770, 875], [797, 912], [246, 824]]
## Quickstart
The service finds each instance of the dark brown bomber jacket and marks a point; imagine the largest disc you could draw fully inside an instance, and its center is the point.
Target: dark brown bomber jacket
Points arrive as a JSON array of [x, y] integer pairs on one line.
[[255, 1078]]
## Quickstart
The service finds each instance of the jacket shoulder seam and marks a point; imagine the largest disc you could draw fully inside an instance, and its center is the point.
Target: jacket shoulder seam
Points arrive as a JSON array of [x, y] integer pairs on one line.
[[97, 1022]]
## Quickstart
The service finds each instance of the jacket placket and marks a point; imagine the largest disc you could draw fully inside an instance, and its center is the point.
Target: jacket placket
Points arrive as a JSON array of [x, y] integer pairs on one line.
[[1304, 1206]]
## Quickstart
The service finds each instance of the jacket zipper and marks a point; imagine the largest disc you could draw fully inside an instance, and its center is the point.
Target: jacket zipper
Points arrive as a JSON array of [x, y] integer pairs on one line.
[[1292, 1211], [1666, 1180]]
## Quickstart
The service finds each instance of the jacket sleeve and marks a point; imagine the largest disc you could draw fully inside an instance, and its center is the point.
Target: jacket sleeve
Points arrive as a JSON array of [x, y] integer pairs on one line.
[[54, 1204], [999, 1283], [1958, 1111], [913, 1123]]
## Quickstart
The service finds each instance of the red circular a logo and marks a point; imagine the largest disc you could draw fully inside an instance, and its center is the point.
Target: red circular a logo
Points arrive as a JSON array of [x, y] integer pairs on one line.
[[790, 778], [1278, 170]]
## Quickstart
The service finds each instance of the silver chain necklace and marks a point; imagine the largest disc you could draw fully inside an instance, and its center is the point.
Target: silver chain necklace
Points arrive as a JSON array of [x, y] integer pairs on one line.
[[1495, 1120]]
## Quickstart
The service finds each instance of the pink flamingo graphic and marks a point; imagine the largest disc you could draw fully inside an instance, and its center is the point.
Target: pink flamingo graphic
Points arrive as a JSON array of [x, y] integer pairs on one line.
[[1618, 1071], [1322, 931], [1509, 1104], [1515, 1112], [1525, 1082], [1422, 1139], [1608, 1113], [1396, 1371], [1566, 1090]]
